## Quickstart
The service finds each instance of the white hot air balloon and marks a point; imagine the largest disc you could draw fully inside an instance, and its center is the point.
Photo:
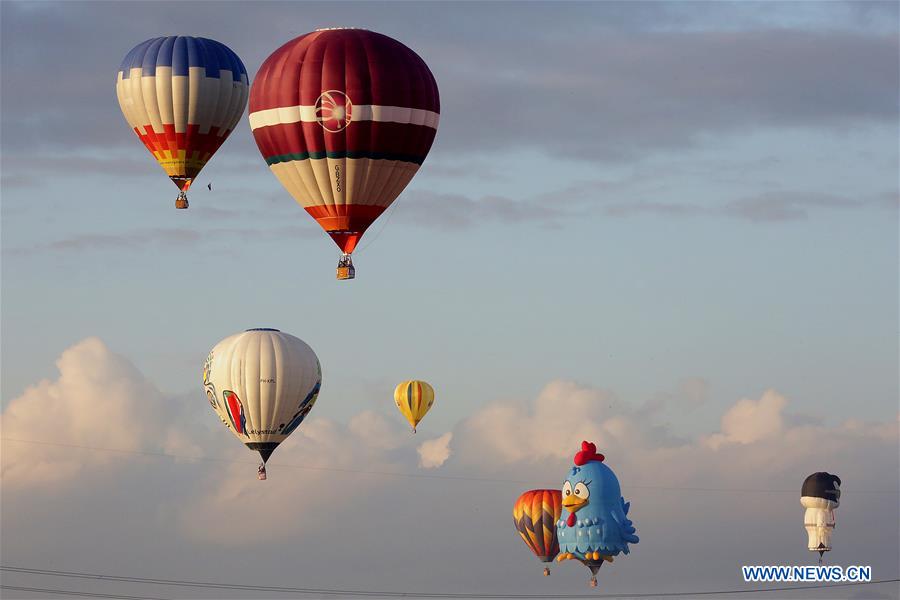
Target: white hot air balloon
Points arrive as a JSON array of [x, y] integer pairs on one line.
[[262, 383], [820, 495]]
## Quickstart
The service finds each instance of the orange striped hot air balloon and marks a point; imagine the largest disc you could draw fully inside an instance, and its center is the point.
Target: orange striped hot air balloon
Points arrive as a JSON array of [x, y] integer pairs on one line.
[[535, 514]]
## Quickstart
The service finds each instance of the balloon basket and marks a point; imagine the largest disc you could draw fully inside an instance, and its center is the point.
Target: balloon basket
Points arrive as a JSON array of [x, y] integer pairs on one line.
[[345, 269], [181, 201]]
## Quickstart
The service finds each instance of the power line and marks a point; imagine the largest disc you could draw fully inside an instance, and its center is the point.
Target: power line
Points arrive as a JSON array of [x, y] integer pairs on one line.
[[414, 475], [384, 594], [74, 593]]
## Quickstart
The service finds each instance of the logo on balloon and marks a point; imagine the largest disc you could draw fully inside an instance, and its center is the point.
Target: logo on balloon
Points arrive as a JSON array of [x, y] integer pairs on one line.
[[334, 111], [207, 384], [235, 411], [304, 409]]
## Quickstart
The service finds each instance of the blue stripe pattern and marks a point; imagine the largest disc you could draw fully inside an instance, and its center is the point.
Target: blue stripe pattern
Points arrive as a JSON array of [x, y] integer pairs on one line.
[[181, 53]]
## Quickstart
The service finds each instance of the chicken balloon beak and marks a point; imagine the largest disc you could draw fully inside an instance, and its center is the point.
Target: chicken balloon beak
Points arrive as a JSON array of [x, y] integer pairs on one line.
[[573, 503]]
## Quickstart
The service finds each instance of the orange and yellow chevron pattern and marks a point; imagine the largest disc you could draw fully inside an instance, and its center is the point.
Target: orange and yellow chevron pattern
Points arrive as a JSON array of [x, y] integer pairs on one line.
[[535, 514]]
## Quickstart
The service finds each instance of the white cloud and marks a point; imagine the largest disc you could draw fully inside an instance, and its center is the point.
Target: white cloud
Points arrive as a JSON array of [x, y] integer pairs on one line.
[[754, 437], [99, 399], [179, 442], [750, 421], [318, 473], [378, 431], [433, 453], [509, 432], [330, 481]]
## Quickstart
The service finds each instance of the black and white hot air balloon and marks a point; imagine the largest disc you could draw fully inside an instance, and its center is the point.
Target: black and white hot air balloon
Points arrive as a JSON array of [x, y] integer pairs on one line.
[[820, 495]]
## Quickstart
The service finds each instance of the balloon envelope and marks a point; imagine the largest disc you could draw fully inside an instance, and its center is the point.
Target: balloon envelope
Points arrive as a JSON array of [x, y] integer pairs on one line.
[[820, 495], [535, 514], [414, 399], [595, 526], [262, 383], [182, 96], [344, 118]]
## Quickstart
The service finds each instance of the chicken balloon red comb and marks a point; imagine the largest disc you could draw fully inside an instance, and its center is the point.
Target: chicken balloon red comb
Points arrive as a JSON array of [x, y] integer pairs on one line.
[[588, 453]]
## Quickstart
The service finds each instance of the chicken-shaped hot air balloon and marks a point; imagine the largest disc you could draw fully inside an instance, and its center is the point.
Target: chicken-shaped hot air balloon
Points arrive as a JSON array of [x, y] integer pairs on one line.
[[596, 527], [535, 514], [820, 495]]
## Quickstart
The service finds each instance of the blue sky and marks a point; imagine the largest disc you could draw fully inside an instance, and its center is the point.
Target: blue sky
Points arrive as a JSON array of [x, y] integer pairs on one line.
[[677, 206]]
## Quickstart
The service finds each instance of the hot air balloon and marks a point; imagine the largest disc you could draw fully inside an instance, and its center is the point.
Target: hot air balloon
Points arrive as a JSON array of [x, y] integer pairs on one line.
[[262, 383], [182, 96], [344, 118], [596, 528], [414, 399], [535, 514], [820, 495]]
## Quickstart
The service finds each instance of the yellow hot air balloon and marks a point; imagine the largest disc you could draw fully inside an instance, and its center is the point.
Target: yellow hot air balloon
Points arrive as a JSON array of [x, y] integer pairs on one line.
[[414, 399]]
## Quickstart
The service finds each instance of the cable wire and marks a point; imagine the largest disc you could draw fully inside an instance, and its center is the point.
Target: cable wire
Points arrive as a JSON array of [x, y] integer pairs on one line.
[[391, 210], [414, 475], [385, 594], [74, 593]]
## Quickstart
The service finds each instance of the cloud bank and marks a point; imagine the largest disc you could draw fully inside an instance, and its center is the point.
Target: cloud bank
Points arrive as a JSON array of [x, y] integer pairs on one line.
[[338, 492], [99, 399]]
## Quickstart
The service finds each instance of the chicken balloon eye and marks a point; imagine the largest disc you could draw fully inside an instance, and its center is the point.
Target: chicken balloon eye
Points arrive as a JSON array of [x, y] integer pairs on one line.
[[582, 491], [567, 489]]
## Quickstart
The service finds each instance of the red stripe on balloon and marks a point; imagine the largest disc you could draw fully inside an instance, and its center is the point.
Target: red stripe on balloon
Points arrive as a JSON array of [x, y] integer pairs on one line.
[[363, 136], [345, 223]]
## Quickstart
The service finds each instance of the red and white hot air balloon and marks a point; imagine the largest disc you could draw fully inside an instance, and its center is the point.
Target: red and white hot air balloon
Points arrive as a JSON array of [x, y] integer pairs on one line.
[[344, 118]]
